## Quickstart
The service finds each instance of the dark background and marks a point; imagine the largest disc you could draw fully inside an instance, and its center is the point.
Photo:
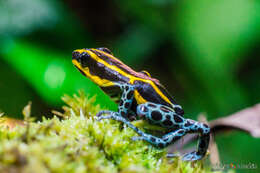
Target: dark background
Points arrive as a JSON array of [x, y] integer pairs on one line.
[[206, 53]]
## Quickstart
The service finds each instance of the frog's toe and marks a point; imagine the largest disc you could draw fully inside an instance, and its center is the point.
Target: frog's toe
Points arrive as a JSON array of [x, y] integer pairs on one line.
[[100, 113], [137, 138], [192, 156], [99, 118], [172, 155]]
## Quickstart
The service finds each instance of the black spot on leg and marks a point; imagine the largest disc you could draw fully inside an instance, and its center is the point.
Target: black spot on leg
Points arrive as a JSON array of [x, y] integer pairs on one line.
[[167, 123], [121, 103], [166, 139], [181, 131], [177, 119], [152, 139], [130, 95], [123, 114], [179, 111], [168, 117], [164, 109], [157, 116], [152, 105], [127, 87], [202, 144], [200, 130], [127, 104], [187, 124]]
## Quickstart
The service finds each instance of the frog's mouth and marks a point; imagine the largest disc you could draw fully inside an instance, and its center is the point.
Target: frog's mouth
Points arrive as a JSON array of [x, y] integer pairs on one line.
[[75, 62], [82, 72]]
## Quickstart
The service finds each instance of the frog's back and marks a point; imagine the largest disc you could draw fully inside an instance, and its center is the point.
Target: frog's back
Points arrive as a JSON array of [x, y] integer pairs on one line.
[[149, 88]]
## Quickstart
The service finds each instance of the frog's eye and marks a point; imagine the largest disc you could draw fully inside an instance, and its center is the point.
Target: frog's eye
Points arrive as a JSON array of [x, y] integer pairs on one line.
[[146, 73], [82, 58], [104, 49]]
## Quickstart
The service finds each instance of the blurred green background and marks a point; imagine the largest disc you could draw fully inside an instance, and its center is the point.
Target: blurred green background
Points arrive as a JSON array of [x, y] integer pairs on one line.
[[206, 53]]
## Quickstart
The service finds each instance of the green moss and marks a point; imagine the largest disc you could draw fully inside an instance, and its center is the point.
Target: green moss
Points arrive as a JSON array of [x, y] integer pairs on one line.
[[78, 143]]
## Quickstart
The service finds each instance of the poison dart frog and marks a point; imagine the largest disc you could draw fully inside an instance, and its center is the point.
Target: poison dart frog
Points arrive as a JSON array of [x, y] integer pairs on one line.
[[139, 96]]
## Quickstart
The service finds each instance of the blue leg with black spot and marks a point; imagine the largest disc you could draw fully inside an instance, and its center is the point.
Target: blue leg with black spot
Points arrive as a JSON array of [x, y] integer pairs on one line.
[[162, 116], [161, 142], [125, 101], [166, 117]]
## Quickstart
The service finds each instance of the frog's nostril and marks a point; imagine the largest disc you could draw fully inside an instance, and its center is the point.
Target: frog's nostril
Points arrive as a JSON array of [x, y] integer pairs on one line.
[[75, 55]]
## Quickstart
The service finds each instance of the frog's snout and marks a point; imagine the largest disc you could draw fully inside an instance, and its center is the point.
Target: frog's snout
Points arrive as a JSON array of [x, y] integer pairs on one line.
[[75, 55], [80, 58]]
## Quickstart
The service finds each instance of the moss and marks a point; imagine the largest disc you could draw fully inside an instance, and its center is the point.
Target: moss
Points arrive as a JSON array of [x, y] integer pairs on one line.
[[76, 142]]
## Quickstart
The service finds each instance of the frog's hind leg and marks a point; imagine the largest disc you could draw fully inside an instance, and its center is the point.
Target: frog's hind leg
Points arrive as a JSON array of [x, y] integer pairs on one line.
[[143, 136], [164, 116], [164, 141]]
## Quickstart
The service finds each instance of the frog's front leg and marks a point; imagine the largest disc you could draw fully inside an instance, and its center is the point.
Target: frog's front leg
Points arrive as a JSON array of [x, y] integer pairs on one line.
[[117, 117], [124, 104]]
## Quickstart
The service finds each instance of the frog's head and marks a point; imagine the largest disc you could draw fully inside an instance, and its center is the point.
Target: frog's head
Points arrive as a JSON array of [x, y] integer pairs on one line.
[[88, 58], [96, 64]]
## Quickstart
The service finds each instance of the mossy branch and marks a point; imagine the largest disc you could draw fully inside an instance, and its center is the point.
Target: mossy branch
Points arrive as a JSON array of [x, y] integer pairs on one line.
[[78, 143]]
